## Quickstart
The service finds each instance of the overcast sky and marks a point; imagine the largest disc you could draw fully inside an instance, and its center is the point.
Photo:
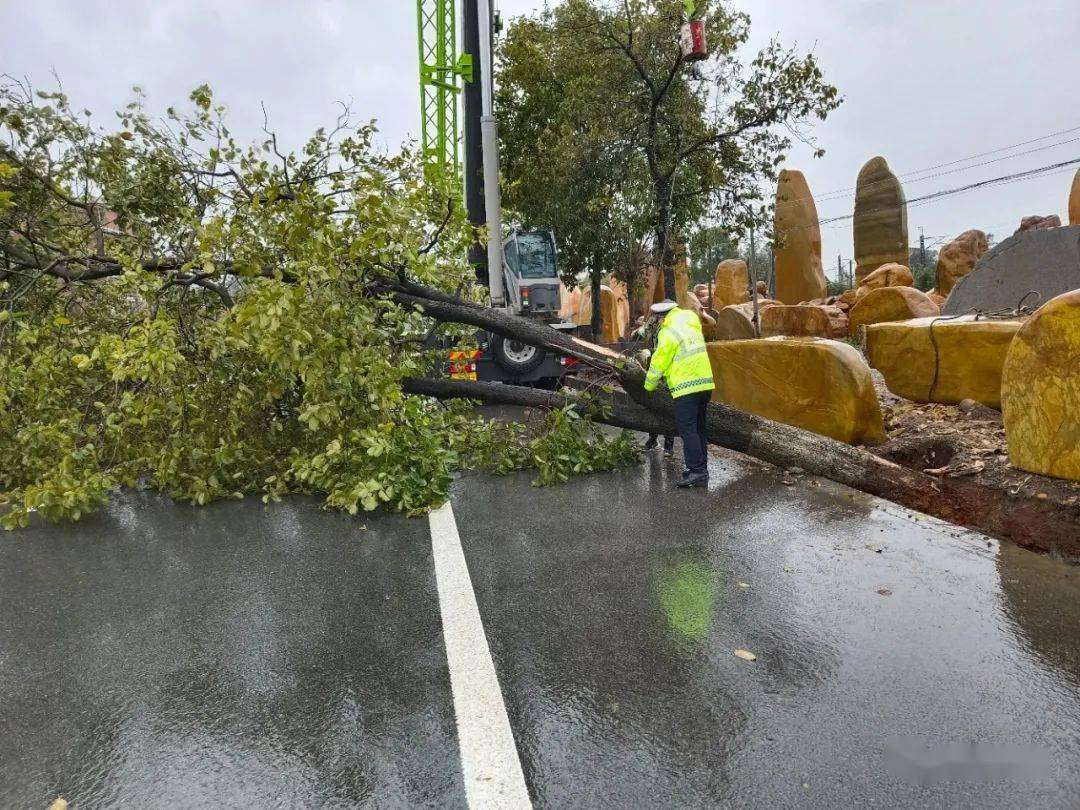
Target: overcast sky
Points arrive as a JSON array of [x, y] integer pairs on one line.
[[925, 82]]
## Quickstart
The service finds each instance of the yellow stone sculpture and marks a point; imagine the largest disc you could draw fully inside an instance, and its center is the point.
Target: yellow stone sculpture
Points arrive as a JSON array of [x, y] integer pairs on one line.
[[799, 275], [1040, 390], [890, 304], [731, 284], [958, 258], [888, 275], [609, 312], [823, 386], [803, 320], [682, 286], [880, 224], [946, 361], [1074, 200]]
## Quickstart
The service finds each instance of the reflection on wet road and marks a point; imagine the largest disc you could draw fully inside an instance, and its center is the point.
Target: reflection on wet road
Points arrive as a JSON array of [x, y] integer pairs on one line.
[[160, 655]]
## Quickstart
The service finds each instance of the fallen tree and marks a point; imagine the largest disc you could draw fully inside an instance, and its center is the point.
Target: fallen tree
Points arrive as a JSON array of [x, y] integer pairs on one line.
[[781, 445]]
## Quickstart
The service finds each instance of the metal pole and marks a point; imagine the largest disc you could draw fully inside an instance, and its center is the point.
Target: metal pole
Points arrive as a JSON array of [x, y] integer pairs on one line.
[[490, 136], [474, 148]]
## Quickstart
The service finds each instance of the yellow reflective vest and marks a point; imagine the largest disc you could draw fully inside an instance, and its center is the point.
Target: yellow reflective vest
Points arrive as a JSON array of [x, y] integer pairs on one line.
[[680, 356]]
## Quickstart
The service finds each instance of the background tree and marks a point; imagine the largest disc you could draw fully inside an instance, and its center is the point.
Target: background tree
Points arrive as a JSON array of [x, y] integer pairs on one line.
[[923, 266], [695, 138], [565, 167], [709, 245]]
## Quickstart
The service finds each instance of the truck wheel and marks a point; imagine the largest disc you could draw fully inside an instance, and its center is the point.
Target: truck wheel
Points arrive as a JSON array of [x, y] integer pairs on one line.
[[515, 357]]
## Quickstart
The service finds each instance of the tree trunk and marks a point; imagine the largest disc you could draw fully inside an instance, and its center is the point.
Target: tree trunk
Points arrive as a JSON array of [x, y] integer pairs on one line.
[[665, 253], [778, 444], [623, 413], [597, 301]]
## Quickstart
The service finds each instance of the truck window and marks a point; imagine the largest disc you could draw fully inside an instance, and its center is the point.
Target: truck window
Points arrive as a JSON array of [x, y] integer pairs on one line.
[[536, 256]]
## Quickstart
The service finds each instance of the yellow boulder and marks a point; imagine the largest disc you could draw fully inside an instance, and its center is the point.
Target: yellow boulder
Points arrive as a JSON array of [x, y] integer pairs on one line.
[[966, 363], [799, 274], [570, 301], [890, 304], [731, 283], [819, 385], [803, 320], [888, 275], [682, 286], [1040, 390], [1074, 200], [609, 312]]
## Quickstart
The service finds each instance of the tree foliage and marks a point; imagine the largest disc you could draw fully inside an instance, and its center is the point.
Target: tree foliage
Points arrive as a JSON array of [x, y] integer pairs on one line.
[[181, 311], [597, 102]]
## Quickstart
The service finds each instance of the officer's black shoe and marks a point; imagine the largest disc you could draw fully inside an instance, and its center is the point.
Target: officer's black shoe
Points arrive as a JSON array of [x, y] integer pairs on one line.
[[651, 443], [694, 480], [669, 452]]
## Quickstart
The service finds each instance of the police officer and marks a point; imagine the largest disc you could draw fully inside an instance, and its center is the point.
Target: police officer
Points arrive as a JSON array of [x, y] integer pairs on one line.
[[682, 361]]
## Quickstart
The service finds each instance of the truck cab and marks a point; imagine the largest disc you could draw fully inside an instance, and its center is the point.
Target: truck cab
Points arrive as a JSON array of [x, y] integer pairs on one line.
[[531, 274]]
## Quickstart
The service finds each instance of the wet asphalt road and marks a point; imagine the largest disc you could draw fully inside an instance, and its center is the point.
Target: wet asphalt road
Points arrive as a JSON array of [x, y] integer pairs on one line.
[[162, 655]]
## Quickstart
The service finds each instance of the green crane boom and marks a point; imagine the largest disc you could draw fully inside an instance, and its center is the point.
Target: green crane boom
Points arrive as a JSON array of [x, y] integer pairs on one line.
[[441, 75]]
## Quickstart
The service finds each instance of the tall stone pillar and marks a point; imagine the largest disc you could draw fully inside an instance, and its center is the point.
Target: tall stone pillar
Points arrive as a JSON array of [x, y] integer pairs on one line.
[[1074, 201], [881, 232], [799, 274]]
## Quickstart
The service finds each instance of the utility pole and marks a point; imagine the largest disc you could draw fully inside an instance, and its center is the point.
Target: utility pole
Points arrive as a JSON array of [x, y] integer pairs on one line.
[[922, 248], [489, 135], [474, 148], [839, 269]]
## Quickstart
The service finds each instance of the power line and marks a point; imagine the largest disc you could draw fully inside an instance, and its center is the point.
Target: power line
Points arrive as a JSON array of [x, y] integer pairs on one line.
[[1003, 180], [914, 172], [962, 168]]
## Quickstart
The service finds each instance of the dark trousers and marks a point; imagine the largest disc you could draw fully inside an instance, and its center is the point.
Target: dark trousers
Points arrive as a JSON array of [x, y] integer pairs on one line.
[[689, 412]]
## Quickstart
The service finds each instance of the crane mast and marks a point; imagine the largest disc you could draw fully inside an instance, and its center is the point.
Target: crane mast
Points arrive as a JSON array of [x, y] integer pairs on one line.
[[442, 74]]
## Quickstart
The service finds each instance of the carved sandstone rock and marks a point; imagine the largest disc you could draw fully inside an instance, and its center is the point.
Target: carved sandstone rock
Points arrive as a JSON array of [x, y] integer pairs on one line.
[[963, 359], [1039, 223], [1074, 200], [881, 232], [799, 275], [819, 385], [609, 311], [888, 275], [803, 320], [731, 283], [683, 294], [957, 259], [891, 304], [622, 304], [570, 302], [1040, 390]]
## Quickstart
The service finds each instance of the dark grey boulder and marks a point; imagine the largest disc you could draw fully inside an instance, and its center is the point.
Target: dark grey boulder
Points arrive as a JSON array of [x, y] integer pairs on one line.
[[1047, 261]]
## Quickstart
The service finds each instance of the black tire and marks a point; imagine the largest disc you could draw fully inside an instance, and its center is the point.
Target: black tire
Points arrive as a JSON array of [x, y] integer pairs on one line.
[[515, 357]]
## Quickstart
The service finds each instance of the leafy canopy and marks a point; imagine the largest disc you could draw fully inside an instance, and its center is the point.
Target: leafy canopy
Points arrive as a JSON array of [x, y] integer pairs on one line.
[[610, 136], [181, 311]]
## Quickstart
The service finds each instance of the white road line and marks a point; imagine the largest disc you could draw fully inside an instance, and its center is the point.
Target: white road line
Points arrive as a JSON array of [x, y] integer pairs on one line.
[[489, 758]]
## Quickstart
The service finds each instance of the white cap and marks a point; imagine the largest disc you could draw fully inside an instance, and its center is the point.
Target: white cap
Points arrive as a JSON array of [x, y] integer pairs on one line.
[[661, 307]]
